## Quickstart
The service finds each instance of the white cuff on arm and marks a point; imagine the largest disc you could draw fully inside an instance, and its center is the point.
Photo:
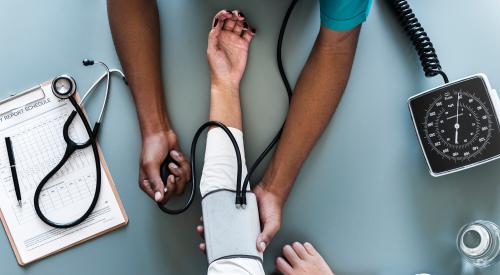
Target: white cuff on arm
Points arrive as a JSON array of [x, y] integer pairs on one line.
[[220, 167], [220, 172]]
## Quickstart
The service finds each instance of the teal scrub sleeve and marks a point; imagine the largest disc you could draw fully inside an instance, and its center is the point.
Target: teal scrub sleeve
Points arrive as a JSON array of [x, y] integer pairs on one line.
[[341, 15]]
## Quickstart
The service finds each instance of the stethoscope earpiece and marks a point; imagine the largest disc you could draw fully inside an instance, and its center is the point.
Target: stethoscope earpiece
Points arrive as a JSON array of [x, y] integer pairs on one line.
[[87, 62]]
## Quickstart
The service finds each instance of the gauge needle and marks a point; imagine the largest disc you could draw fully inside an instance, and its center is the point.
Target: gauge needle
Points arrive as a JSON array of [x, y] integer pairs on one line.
[[456, 122], [454, 116]]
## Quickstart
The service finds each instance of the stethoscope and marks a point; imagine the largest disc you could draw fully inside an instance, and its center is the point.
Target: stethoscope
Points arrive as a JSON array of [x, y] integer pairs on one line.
[[64, 87]]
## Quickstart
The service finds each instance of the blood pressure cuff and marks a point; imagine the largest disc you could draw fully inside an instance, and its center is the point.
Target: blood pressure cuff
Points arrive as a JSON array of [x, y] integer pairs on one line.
[[230, 232]]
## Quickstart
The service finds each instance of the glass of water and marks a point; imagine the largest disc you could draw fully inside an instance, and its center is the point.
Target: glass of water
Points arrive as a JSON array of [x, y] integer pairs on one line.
[[479, 243]]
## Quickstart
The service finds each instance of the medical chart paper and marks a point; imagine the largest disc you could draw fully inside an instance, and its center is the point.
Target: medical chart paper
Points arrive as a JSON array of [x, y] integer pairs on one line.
[[36, 129]]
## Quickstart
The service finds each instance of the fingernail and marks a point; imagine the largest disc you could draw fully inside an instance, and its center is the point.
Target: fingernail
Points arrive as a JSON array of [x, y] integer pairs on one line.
[[241, 14], [174, 153], [245, 25], [254, 30], [157, 196], [171, 178], [172, 166], [262, 246], [215, 24], [165, 189]]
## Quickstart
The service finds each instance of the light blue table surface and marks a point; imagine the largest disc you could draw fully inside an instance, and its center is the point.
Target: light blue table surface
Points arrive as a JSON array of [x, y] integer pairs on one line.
[[364, 196]]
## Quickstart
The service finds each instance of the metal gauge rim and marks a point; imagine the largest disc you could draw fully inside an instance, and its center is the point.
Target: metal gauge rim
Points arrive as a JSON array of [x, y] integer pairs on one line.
[[63, 86], [461, 147]]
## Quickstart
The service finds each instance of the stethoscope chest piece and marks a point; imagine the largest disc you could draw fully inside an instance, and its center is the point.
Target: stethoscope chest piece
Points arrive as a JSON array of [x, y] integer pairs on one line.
[[63, 86]]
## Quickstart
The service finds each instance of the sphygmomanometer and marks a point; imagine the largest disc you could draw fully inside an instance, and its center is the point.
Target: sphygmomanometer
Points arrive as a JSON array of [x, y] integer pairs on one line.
[[456, 123], [230, 217]]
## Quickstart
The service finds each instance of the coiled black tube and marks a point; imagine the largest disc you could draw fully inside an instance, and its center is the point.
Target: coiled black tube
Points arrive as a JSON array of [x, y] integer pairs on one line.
[[419, 38]]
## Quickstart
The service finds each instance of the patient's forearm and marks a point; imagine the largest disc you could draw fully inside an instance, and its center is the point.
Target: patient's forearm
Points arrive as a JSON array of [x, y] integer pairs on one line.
[[136, 32], [317, 94], [225, 105]]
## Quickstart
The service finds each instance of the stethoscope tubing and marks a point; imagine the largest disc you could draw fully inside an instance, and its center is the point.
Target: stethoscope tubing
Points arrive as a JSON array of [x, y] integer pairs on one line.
[[71, 147], [241, 188], [193, 167]]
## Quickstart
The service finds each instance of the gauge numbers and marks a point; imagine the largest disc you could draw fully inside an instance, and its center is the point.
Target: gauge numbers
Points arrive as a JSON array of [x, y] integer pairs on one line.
[[458, 125]]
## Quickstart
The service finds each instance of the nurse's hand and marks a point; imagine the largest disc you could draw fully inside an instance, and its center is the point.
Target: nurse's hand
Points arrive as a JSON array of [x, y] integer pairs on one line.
[[270, 208], [227, 50], [155, 148]]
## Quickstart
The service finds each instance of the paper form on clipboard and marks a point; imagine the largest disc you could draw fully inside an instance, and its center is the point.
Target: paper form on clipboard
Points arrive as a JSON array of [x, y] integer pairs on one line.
[[34, 121]]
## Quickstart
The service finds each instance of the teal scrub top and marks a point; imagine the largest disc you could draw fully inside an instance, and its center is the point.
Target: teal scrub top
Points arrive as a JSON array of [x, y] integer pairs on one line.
[[341, 15]]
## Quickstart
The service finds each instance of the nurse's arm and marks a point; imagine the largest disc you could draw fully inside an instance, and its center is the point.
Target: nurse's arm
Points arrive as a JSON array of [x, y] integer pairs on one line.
[[136, 32], [317, 94]]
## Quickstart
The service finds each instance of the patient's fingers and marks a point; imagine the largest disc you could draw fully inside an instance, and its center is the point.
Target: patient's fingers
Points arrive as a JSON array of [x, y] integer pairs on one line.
[[238, 28], [218, 18], [248, 34], [217, 24], [283, 266], [290, 255], [230, 23], [300, 250]]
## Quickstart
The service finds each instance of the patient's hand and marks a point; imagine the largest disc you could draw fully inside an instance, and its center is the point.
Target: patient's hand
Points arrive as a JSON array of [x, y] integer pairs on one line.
[[227, 50]]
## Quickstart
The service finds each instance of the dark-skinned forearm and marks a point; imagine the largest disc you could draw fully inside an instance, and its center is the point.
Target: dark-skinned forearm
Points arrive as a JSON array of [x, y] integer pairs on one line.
[[136, 32], [317, 94]]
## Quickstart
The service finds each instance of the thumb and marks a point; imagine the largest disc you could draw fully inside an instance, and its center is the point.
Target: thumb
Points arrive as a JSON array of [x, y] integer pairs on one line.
[[216, 29], [153, 174], [269, 230]]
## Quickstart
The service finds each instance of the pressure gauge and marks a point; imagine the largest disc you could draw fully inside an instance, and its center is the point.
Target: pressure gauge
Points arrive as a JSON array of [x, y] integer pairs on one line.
[[457, 124], [63, 86]]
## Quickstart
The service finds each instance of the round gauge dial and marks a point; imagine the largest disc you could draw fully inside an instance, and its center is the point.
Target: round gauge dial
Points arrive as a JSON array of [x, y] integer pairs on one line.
[[458, 125]]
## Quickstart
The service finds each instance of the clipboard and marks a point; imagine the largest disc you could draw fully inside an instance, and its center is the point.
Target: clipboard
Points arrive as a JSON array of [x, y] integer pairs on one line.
[[37, 97]]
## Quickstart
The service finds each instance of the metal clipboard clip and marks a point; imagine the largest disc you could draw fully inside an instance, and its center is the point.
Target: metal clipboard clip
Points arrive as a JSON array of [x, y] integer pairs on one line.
[[21, 99]]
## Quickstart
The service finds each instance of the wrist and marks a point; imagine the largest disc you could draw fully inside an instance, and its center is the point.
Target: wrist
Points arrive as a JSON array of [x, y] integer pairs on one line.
[[153, 128], [274, 189], [277, 182], [225, 86]]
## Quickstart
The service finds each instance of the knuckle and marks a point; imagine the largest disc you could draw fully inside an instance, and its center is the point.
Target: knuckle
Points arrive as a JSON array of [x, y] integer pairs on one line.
[[171, 187], [188, 176], [180, 189], [180, 156], [143, 184], [148, 164]]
